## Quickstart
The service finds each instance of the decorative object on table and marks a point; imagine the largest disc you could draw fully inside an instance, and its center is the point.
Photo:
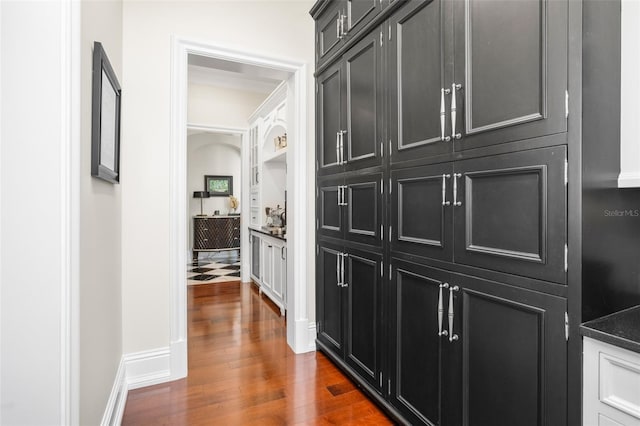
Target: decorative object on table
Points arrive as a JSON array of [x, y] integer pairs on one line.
[[280, 141], [216, 212], [233, 203], [201, 195], [218, 186], [105, 118]]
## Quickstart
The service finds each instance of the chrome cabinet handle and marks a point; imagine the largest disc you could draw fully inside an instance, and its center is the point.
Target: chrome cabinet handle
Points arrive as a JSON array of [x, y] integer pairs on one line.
[[452, 336], [338, 35], [342, 160], [343, 284], [444, 189], [339, 201], [443, 115], [441, 332], [338, 268], [338, 159], [344, 191], [454, 87], [342, 30], [455, 189]]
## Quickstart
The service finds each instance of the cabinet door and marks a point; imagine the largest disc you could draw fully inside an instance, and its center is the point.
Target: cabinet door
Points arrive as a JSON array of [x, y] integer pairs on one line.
[[416, 345], [417, 69], [511, 62], [329, 297], [421, 211], [329, 214], [364, 209], [513, 355], [330, 120], [328, 32], [279, 271], [364, 326], [362, 141], [255, 256], [360, 13], [267, 264], [513, 213]]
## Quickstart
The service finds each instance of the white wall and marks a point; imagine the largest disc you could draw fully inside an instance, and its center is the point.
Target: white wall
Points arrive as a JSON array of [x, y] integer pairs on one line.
[[211, 154], [100, 229], [280, 29], [38, 131], [220, 106]]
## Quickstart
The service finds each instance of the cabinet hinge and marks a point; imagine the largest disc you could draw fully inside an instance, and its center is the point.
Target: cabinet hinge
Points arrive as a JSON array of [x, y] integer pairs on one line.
[[381, 38], [566, 326], [566, 172], [566, 104], [566, 258], [317, 87]]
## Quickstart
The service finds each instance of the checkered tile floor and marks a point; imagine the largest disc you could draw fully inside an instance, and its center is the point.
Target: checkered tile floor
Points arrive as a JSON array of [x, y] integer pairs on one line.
[[216, 269]]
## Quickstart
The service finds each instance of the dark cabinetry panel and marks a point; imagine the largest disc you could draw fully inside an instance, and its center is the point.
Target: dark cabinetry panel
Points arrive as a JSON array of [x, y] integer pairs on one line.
[[329, 31], [329, 297], [330, 121]]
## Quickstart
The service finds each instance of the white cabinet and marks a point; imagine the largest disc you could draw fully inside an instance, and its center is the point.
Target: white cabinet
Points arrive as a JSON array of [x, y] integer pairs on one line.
[[269, 267], [611, 389]]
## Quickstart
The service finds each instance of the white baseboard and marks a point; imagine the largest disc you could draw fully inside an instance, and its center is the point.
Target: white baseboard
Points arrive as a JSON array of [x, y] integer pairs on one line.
[[148, 368], [311, 337], [629, 180], [117, 399]]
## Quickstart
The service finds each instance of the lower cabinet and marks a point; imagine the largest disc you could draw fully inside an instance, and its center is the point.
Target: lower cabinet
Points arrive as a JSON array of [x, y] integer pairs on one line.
[[349, 298], [458, 350], [269, 267]]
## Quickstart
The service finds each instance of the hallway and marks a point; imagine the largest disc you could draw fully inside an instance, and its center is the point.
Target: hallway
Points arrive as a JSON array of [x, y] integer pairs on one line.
[[241, 371]]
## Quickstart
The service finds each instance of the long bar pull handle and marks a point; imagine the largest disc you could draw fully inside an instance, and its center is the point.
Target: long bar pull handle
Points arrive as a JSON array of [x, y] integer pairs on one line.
[[338, 149], [454, 87], [443, 114], [338, 35], [338, 269], [344, 196], [444, 189], [452, 335], [342, 160], [342, 271], [441, 332], [455, 189]]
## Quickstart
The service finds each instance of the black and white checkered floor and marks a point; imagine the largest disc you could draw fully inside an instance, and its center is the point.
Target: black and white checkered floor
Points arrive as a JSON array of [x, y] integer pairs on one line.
[[215, 268]]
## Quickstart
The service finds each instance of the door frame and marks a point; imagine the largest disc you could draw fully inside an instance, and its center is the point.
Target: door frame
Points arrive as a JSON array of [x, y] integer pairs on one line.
[[299, 333]]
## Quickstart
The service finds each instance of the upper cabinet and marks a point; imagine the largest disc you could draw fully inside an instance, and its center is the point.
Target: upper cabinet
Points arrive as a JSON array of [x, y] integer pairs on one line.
[[337, 21], [467, 74]]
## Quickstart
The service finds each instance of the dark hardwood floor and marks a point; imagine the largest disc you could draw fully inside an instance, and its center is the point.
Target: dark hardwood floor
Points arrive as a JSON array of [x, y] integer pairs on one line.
[[241, 371]]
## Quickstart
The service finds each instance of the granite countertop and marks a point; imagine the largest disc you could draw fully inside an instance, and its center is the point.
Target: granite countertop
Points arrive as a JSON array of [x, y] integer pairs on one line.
[[620, 329], [282, 237]]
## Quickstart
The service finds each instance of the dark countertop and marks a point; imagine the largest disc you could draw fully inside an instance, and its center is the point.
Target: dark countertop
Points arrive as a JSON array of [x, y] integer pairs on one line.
[[620, 329], [262, 231]]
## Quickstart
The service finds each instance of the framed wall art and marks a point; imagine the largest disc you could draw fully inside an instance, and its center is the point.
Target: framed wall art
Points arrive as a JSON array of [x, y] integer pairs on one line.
[[105, 118], [218, 186]]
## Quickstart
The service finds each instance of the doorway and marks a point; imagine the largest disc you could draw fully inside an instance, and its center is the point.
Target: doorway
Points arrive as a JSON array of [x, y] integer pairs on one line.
[[300, 333]]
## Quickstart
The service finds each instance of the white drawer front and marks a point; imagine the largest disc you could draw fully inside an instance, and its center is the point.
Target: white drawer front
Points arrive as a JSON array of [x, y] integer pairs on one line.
[[620, 384]]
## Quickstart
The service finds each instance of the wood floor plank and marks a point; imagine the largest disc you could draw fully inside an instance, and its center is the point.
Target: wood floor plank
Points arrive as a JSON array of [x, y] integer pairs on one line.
[[241, 371]]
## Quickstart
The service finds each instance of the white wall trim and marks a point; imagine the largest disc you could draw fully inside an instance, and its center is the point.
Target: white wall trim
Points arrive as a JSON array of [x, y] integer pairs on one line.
[[70, 118], [180, 49], [311, 337], [117, 398], [629, 180], [148, 368]]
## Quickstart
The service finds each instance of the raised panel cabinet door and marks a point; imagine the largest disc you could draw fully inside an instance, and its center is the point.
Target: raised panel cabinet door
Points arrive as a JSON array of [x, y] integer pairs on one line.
[[330, 120], [510, 213], [364, 308], [279, 272], [267, 264], [330, 297], [329, 34], [422, 211], [511, 64], [363, 137], [416, 340], [255, 256], [363, 210], [330, 207], [417, 67], [513, 355], [360, 13]]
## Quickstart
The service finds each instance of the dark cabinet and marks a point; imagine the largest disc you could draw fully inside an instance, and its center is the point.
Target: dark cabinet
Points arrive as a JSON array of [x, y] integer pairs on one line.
[[215, 234], [473, 351], [349, 307], [503, 212], [351, 208], [349, 100], [475, 73]]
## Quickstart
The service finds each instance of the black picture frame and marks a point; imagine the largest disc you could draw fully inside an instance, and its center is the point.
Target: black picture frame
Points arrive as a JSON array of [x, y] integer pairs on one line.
[[218, 186], [105, 118]]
